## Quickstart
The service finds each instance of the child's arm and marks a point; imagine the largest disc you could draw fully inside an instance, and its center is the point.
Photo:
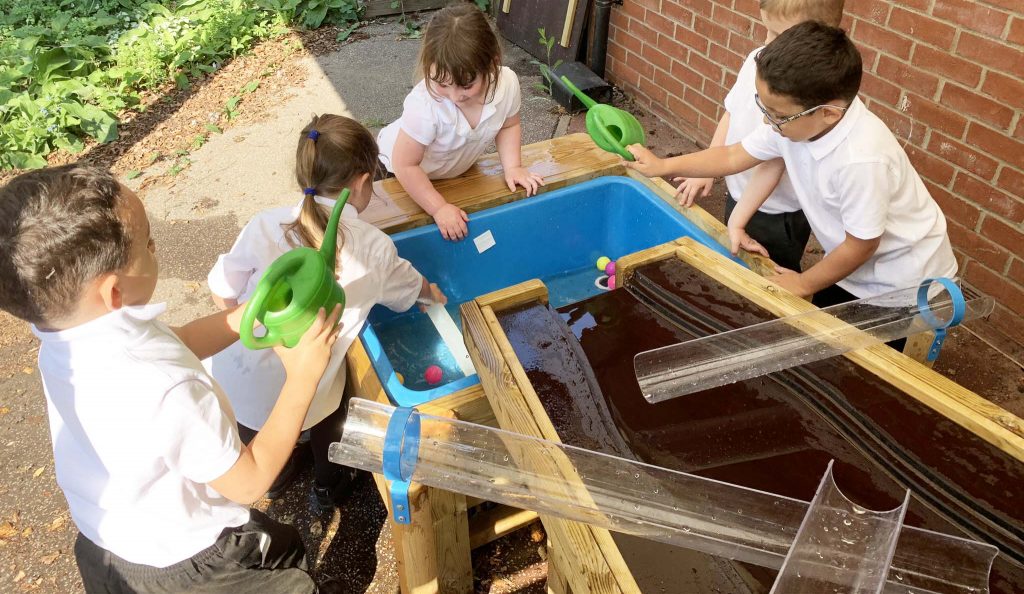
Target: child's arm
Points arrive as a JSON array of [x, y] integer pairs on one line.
[[210, 335], [260, 462], [692, 188], [762, 183], [837, 265], [712, 162], [405, 159], [224, 302], [509, 141]]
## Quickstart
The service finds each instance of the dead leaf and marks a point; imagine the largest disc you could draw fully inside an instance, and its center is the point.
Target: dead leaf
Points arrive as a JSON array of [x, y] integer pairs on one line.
[[7, 531], [38, 472], [19, 577], [4, 410], [57, 524], [27, 532], [27, 371], [49, 559]]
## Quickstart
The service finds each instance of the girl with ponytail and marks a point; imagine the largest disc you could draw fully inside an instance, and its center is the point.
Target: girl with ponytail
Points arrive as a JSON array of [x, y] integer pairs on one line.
[[334, 153]]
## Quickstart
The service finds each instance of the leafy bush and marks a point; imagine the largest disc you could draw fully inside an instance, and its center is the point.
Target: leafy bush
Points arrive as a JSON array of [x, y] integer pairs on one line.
[[313, 13]]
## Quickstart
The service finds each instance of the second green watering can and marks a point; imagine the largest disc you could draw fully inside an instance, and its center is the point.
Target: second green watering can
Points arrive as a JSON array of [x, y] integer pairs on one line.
[[293, 289], [610, 127]]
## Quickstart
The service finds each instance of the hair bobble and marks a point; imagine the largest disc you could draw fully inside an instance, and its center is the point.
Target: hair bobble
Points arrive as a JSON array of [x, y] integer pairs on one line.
[[309, 191], [313, 135]]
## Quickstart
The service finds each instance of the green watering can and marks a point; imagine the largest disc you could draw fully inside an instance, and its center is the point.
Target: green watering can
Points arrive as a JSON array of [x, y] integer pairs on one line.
[[293, 289], [610, 127]]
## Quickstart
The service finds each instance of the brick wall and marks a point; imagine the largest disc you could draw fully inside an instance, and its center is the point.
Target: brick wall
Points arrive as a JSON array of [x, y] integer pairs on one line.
[[945, 75]]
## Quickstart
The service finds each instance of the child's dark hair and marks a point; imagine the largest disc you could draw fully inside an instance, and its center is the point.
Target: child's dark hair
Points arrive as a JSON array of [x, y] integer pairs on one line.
[[812, 63], [59, 229], [332, 151], [458, 46]]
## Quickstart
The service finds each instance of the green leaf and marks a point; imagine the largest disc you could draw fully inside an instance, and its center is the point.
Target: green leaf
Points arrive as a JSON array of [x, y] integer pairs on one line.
[[251, 86], [181, 81], [232, 103], [344, 33], [48, 62], [134, 173], [214, 128]]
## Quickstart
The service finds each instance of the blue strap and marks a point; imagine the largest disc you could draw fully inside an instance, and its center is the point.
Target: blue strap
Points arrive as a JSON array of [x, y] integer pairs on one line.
[[956, 296], [401, 449]]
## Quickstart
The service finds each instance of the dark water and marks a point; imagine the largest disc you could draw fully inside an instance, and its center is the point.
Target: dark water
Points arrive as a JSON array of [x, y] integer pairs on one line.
[[775, 433]]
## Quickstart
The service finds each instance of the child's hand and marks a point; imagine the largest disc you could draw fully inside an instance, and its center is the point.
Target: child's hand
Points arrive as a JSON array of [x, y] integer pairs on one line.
[[436, 296], [523, 177], [308, 359], [451, 222], [738, 239], [646, 162], [792, 281], [692, 188]]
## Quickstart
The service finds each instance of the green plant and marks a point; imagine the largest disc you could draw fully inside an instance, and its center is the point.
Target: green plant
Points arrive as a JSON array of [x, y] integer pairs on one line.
[[483, 4], [546, 69], [313, 13]]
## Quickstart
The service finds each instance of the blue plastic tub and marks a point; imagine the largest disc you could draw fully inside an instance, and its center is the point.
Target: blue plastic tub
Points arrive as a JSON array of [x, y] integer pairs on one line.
[[556, 237]]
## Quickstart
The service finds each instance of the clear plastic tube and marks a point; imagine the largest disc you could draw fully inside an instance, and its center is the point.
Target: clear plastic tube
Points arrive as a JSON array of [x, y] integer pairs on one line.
[[753, 351], [634, 498]]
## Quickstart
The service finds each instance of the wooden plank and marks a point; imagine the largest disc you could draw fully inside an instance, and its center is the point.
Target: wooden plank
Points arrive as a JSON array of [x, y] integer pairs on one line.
[[627, 265], [562, 161], [506, 5], [570, 16], [704, 221], [520, 294], [918, 346], [379, 8], [556, 584], [490, 525], [988, 421], [587, 569]]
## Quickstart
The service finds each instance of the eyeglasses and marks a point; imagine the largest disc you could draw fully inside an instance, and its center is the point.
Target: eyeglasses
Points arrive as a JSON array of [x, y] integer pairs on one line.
[[778, 123]]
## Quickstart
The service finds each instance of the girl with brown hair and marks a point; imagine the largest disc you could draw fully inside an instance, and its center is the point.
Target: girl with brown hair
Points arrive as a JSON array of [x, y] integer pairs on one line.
[[465, 100], [334, 153]]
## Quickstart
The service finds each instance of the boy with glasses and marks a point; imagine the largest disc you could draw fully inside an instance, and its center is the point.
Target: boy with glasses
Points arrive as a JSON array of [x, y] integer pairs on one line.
[[779, 227], [880, 228]]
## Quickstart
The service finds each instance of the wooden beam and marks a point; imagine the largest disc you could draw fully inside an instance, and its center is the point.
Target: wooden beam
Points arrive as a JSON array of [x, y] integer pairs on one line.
[[918, 347], [521, 294], [988, 421], [562, 161], [627, 265], [490, 525], [570, 16], [378, 8]]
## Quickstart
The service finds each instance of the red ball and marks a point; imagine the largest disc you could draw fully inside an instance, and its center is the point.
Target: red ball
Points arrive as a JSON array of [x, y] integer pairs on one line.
[[433, 375]]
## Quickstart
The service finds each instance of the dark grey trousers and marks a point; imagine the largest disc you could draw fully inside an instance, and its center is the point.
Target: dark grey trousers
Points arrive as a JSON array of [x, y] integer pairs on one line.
[[784, 235]]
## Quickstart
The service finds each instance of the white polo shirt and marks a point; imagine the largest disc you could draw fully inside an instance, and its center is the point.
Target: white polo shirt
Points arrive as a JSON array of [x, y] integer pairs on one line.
[[744, 118], [438, 124], [370, 273], [138, 430], [857, 179]]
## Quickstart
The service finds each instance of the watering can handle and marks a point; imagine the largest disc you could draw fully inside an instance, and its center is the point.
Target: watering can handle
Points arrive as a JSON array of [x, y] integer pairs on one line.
[[257, 304], [587, 101]]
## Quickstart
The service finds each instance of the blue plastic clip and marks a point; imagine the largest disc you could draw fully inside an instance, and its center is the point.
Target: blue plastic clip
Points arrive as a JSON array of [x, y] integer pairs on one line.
[[940, 327], [401, 448]]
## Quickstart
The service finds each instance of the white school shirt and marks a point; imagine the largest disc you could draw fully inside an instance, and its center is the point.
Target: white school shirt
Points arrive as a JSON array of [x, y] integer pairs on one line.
[[371, 273], [744, 118], [138, 430], [857, 179], [438, 124]]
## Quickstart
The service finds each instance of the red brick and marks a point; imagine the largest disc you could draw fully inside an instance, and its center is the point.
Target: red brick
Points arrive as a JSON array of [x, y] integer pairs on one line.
[[997, 144], [1004, 291], [954, 207], [677, 13], [751, 8], [907, 76], [657, 58], [640, 65], [700, 102], [1011, 181], [742, 45], [1018, 132], [634, 10], [1007, 89], [977, 247], [682, 111], [928, 166], [710, 30], [868, 55], [921, 5], [904, 127], [947, 65], [714, 91], [728, 60], [706, 67], [670, 83], [616, 51], [875, 11], [686, 75], [642, 32], [971, 15], [660, 24], [1009, 324], [760, 33], [882, 39], [973, 104], [623, 75], [1016, 34], [1008, 236], [701, 7], [652, 90], [1016, 272], [935, 116], [882, 90], [987, 197], [1011, 5], [690, 39], [965, 156], [993, 54], [922, 27], [735, 21], [630, 42]]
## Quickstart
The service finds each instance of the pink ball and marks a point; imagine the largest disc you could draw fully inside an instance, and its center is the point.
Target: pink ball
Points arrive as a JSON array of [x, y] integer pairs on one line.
[[433, 375], [611, 282], [610, 268]]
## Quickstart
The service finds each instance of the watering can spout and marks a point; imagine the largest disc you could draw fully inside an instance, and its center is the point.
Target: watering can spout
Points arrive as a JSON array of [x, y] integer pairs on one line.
[[328, 247], [583, 97]]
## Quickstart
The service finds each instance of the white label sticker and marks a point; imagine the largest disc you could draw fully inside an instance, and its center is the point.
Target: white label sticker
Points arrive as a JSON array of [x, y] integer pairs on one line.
[[484, 241]]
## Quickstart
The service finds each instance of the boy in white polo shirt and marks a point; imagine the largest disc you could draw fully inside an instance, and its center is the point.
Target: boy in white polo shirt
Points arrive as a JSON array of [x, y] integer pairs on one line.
[[880, 228], [779, 226], [144, 442]]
